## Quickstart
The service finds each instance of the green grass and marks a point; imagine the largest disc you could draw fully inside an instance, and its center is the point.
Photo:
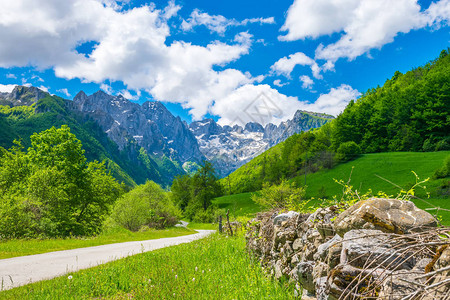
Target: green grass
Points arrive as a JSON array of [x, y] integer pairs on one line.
[[396, 167], [238, 204], [213, 268], [14, 248], [207, 226]]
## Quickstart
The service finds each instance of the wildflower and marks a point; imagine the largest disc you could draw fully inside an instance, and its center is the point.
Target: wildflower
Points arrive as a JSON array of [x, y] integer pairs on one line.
[[69, 277], [203, 271], [196, 269], [176, 276], [193, 279]]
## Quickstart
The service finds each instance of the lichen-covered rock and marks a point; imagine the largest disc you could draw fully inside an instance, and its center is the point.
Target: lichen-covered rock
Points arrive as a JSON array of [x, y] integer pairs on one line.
[[304, 272], [284, 217], [387, 215], [364, 248], [322, 250]]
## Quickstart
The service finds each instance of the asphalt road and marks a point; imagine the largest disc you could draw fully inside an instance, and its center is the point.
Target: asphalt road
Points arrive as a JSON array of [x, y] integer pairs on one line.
[[23, 270]]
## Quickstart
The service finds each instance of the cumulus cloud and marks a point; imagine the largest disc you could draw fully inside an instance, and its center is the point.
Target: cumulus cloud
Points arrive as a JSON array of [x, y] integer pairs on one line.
[[263, 104], [131, 47], [335, 101], [307, 82], [362, 24], [7, 88], [278, 82], [218, 23], [285, 65], [11, 76], [255, 103]]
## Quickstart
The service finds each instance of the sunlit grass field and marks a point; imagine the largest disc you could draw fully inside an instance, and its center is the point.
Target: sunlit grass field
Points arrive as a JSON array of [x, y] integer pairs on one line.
[[13, 248], [238, 204], [217, 267]]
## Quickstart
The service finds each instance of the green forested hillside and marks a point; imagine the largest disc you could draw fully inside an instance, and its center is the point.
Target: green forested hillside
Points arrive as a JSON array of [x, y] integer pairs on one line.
[[130, 166], [410, 112]]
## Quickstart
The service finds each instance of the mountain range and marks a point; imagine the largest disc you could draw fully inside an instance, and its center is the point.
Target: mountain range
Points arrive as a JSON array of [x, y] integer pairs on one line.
[[147, 141]]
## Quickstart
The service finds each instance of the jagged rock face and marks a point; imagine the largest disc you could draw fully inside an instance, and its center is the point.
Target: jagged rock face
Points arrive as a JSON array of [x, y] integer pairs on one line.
[[22, 95], [151, 125], [231, 147], [227, 147], [302, 121]]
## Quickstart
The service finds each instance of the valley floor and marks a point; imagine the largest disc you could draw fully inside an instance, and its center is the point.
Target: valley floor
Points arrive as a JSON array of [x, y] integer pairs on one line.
[[27, 269], [217, 267]]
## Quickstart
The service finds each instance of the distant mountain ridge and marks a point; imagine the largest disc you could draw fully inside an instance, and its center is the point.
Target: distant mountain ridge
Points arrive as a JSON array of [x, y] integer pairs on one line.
[[228, 147], [146, 136]]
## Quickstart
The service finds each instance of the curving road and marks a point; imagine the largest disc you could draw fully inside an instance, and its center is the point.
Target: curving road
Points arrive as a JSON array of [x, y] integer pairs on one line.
[[22, 270]]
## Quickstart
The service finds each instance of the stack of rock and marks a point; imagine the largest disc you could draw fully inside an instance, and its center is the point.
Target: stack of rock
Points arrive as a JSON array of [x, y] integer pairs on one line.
[[377, 248]]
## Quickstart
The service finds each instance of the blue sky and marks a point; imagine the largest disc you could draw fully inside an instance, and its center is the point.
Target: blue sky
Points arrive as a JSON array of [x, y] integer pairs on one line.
[[214, 58]]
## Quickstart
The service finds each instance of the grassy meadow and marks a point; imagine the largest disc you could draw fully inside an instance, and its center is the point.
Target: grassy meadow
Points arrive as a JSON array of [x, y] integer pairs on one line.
[[21, 247], [238, 204], [217, 267]]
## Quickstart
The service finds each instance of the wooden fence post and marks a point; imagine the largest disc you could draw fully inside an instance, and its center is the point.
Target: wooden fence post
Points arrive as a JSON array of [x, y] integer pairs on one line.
[[228, 221]]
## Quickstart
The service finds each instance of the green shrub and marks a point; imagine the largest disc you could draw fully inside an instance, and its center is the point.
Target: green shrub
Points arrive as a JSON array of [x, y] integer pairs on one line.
[[444, 171], [146, 205], [348, 151], [284, 195]]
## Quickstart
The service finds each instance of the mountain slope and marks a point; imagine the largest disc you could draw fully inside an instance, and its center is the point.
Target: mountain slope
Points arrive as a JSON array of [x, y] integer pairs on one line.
[[130, 165], [409, 113], [228, 147]]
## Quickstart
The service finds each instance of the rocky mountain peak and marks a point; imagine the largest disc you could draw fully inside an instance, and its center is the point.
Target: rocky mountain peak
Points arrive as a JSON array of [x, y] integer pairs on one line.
[[254, 127], [81, 96], [231, 147], [150, 126], [23, 95]]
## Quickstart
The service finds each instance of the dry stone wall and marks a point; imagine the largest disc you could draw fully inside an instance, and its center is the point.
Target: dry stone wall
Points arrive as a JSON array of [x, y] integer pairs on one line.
[[376, 249]]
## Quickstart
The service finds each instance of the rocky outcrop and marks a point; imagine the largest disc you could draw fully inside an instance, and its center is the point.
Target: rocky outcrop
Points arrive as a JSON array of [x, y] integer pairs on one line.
[[22, 95], [335, 254], [150, 126]]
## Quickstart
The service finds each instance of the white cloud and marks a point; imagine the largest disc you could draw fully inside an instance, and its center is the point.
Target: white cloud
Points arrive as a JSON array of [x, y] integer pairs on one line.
[[307, 82], [127, 95], [11, 76], [43, 88], [362, 24], [131, 47], [171, 10], [263, 104], [7, 88], [64, 92], [335, 101], [107, 88], [255, 103], [218, 23], [285, 65], [277, 82]]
